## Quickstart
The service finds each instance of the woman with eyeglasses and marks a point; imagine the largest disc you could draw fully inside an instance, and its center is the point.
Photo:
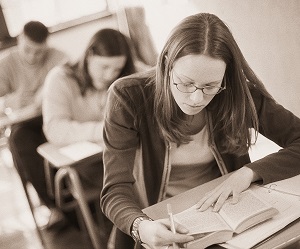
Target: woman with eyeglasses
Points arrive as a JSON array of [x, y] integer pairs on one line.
[[185, 123]]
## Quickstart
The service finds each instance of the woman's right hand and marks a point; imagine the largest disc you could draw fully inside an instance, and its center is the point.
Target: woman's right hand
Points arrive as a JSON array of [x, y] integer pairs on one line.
[[158, 235]]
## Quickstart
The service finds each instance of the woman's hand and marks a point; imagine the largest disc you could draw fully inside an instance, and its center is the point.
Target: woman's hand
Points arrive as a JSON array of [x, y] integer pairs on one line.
[[157, 234], [239, 181]]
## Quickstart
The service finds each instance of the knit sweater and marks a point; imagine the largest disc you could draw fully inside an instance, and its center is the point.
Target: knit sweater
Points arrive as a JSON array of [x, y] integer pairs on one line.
[[68, 115]]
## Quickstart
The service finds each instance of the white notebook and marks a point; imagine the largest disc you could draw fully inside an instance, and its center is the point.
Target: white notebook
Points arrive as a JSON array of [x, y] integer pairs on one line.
[[285, 197]]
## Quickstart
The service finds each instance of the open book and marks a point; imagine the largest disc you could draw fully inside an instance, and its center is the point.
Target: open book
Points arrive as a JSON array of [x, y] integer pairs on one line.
[[284, 195], [210, 227]]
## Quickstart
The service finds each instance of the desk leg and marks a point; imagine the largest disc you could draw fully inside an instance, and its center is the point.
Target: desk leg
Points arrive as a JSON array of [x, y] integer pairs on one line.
[[78, 194], [49, 178]]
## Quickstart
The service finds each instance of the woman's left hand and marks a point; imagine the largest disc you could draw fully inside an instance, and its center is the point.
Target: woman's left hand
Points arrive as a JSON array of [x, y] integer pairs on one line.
[[239, 181]]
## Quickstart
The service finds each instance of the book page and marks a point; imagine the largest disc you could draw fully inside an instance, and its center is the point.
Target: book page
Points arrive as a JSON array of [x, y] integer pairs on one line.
[[201, 222], [249, 205], [287, 186], [80, 150], [289, 210]]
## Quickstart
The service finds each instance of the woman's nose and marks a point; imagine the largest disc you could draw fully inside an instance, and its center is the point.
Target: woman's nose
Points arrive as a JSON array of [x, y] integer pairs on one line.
[[197, 96]]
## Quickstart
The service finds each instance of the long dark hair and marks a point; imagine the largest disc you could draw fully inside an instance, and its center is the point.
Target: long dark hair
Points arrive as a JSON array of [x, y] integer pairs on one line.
[[106, 42], [233, 110]]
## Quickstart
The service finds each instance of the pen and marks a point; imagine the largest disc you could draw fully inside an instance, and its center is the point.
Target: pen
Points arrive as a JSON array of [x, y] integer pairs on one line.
[[169, 208]]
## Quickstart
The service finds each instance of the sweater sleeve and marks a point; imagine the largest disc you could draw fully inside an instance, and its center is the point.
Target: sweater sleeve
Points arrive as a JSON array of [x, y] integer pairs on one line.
[[55, 58], [59, 125], [118, 199], [282, 127]]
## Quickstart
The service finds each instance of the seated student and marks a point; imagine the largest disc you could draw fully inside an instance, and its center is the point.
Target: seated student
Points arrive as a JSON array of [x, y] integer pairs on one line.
[[185, 123], [75, 95], [22, 73]]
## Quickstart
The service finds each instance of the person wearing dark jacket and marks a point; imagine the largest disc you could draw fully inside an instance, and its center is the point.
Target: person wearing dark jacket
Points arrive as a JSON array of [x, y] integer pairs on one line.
[[184, 123]]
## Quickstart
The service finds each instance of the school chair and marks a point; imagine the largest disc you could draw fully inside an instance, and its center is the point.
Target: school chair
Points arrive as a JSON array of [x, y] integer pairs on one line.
[[65, 185]]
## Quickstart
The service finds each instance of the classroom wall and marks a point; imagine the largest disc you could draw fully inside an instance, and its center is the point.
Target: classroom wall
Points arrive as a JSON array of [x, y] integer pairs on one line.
[[74, 40], [266, 30]]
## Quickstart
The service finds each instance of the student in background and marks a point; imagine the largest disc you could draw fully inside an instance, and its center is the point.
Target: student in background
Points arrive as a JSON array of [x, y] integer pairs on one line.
[[22, 73], [23, 68], [186, 123], [75, 95]]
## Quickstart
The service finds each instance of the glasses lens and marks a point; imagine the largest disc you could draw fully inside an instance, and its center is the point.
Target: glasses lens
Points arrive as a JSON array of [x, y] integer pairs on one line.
[[211, 90], [186, 88]]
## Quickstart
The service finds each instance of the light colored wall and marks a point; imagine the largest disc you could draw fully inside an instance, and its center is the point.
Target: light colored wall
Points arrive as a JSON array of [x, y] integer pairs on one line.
[[74, 40], [267, 32]]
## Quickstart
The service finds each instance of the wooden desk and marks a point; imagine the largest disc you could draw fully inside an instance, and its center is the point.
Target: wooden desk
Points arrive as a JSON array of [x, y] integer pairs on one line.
[[54, 158], [52, 153], [283, 239]]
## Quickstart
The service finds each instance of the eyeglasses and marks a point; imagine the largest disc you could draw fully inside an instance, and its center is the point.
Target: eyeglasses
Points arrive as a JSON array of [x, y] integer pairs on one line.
[[190, 88]]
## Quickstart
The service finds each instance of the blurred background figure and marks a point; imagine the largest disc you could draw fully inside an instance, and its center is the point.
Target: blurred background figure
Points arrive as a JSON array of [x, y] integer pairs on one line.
[[23, 68], [75, 97], [22, 73]]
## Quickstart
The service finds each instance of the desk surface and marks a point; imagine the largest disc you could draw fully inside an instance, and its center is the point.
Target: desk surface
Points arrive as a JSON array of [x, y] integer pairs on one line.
[[52, 154], [182, 201]]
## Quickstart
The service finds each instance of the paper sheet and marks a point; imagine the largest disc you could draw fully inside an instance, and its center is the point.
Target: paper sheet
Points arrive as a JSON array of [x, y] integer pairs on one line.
[[289, 210]]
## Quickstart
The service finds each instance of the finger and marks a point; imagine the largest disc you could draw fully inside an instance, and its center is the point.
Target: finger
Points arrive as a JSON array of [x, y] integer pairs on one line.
[[177, 238], [169, 237], [235, 197], [180, 228], [182, 245], [202, 200], [222, 198], [209, 202]]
